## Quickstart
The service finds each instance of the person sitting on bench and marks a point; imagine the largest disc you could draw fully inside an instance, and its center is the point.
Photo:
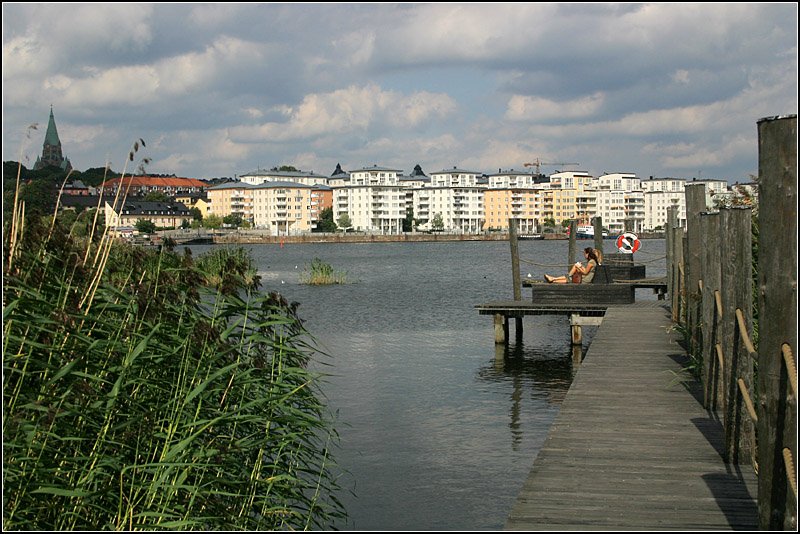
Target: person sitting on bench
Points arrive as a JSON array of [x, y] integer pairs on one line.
[[578, 274]]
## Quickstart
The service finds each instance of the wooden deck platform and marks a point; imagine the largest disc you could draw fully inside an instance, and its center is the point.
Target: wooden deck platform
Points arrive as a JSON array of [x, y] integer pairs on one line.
[[633, 448]]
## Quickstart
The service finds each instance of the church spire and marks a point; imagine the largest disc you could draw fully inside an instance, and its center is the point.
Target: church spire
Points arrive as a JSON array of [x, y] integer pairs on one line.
[[51, 137], [51, 149]]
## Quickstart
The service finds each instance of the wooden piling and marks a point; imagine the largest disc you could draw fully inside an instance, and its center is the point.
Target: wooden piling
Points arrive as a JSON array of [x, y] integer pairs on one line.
[[737, 293], [695, 204], [598, 233], [573, 230], [777, 296], [710, 275], [513, 238]]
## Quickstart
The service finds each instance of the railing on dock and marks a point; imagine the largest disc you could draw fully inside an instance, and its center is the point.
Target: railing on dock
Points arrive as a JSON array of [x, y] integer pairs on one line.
[[717, 301]]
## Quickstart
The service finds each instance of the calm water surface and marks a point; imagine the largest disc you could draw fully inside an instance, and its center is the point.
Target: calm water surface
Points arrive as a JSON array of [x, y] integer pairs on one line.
[[438, 428]]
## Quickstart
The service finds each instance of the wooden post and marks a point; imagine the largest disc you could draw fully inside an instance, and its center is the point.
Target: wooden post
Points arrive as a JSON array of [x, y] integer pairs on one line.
[[710, 274], [513, 237], [598, 233], [677, 262], [737, 293], [499, 333], [573, 230], [777, 304], [695, 204], [668, 235]]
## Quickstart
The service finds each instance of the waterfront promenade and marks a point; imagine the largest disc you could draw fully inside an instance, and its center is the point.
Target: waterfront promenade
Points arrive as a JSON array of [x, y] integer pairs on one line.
[[633, 448]]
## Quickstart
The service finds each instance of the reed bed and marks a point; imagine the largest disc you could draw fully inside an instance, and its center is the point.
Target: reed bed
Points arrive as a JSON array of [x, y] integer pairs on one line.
[[145, 390], [322, 273]]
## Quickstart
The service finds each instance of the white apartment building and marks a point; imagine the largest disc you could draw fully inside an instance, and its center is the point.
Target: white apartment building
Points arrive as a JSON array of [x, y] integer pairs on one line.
[[375, 176], [515, 179], [260, 176], [578, 180], [661, 193], [460, 208], [371, 208], [455, 177], [620, 202]]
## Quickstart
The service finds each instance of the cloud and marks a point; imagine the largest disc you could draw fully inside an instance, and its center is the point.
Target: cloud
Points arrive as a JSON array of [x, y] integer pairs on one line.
[[352, 109], [542, 109]]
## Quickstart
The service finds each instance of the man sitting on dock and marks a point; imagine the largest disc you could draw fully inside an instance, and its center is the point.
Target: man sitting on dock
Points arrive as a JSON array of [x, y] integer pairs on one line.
[[578, 274]]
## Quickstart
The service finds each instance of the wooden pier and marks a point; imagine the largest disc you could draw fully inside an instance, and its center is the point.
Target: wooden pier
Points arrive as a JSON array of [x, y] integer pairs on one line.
[[633, 448]]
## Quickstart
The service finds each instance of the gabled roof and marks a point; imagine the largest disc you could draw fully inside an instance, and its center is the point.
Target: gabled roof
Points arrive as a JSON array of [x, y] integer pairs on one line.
[[155, 181]]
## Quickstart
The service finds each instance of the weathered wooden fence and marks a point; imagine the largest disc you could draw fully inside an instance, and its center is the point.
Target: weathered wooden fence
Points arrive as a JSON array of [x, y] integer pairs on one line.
[[719, 291]]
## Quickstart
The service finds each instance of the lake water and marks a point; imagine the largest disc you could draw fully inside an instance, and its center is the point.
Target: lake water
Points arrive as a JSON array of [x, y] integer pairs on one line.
[[438, 427]]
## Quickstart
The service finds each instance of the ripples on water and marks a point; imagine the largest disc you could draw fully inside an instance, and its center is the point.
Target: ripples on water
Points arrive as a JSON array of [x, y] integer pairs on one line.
[[439, 428]]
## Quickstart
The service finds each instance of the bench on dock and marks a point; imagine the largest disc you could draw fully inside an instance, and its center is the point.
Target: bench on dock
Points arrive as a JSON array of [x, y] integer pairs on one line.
[[621, 267], [601, 290]]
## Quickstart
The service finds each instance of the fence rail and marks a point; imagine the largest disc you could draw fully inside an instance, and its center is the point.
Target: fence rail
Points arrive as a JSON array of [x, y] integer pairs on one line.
[[720, 317]]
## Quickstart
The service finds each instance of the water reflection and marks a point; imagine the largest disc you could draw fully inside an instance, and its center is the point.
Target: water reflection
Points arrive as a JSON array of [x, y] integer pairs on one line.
[[543, 374]]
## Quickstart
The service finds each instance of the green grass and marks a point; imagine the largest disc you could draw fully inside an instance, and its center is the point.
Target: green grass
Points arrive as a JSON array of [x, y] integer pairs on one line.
[[149, 390]]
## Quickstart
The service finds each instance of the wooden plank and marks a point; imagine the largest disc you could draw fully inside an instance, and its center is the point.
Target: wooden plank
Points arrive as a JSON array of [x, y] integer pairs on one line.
[[632, 447]]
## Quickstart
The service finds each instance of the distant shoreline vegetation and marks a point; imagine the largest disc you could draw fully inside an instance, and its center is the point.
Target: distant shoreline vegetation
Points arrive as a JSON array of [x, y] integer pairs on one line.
[[320, 273]]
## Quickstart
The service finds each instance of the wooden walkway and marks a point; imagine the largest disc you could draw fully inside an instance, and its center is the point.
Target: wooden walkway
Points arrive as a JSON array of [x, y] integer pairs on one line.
[[632, 448]]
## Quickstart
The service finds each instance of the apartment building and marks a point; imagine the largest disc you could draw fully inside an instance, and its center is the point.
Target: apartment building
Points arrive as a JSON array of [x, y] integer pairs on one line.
[[512, 179], [162, 214], [232, 198], [523, 204], [303, 177], [141, 185], [460, 208], [284, 208], [371, 208]]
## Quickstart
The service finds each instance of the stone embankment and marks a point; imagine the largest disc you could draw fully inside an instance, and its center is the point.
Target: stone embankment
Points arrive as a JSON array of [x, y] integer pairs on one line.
[[259, 237]]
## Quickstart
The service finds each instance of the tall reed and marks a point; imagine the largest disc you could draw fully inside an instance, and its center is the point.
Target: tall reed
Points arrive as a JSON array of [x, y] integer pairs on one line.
[[322, 273], [142, 390]]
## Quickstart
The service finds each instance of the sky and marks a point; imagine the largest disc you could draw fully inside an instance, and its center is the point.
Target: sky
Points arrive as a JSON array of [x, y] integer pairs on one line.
[[664, 90]]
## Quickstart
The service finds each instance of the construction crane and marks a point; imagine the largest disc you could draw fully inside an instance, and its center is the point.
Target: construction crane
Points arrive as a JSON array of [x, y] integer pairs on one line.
[[538, 164]]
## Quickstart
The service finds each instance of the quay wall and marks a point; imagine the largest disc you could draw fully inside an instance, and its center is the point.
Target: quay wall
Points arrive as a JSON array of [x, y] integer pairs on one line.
[[250, 237]]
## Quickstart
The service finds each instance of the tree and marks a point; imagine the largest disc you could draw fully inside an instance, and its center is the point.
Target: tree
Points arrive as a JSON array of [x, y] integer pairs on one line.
[[156, 196], [325, 222], [408, 222], [234, 219], [344, 222], [197, 215], [145, 226], [437, 224], [213, 221], [287, 168]]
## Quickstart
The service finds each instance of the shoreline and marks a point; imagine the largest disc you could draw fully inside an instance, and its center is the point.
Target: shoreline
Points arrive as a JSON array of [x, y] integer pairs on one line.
[[251, 237]]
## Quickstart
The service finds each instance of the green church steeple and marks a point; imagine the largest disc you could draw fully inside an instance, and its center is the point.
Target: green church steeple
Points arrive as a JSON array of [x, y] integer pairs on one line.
[[51, 150], [51, 137]]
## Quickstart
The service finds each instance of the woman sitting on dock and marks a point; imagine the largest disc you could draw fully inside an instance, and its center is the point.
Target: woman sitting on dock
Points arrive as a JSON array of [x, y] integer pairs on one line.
[[578, 274]]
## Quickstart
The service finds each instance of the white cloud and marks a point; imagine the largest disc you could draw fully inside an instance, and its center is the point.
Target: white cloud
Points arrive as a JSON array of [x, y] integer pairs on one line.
[[542, 109], [349, 110]]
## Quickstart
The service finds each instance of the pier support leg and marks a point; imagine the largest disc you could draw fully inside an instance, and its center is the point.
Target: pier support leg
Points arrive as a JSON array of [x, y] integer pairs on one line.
[[575, 328], [576, 322], [577, 354], [518, 329], [499, 334], [577, 334]]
